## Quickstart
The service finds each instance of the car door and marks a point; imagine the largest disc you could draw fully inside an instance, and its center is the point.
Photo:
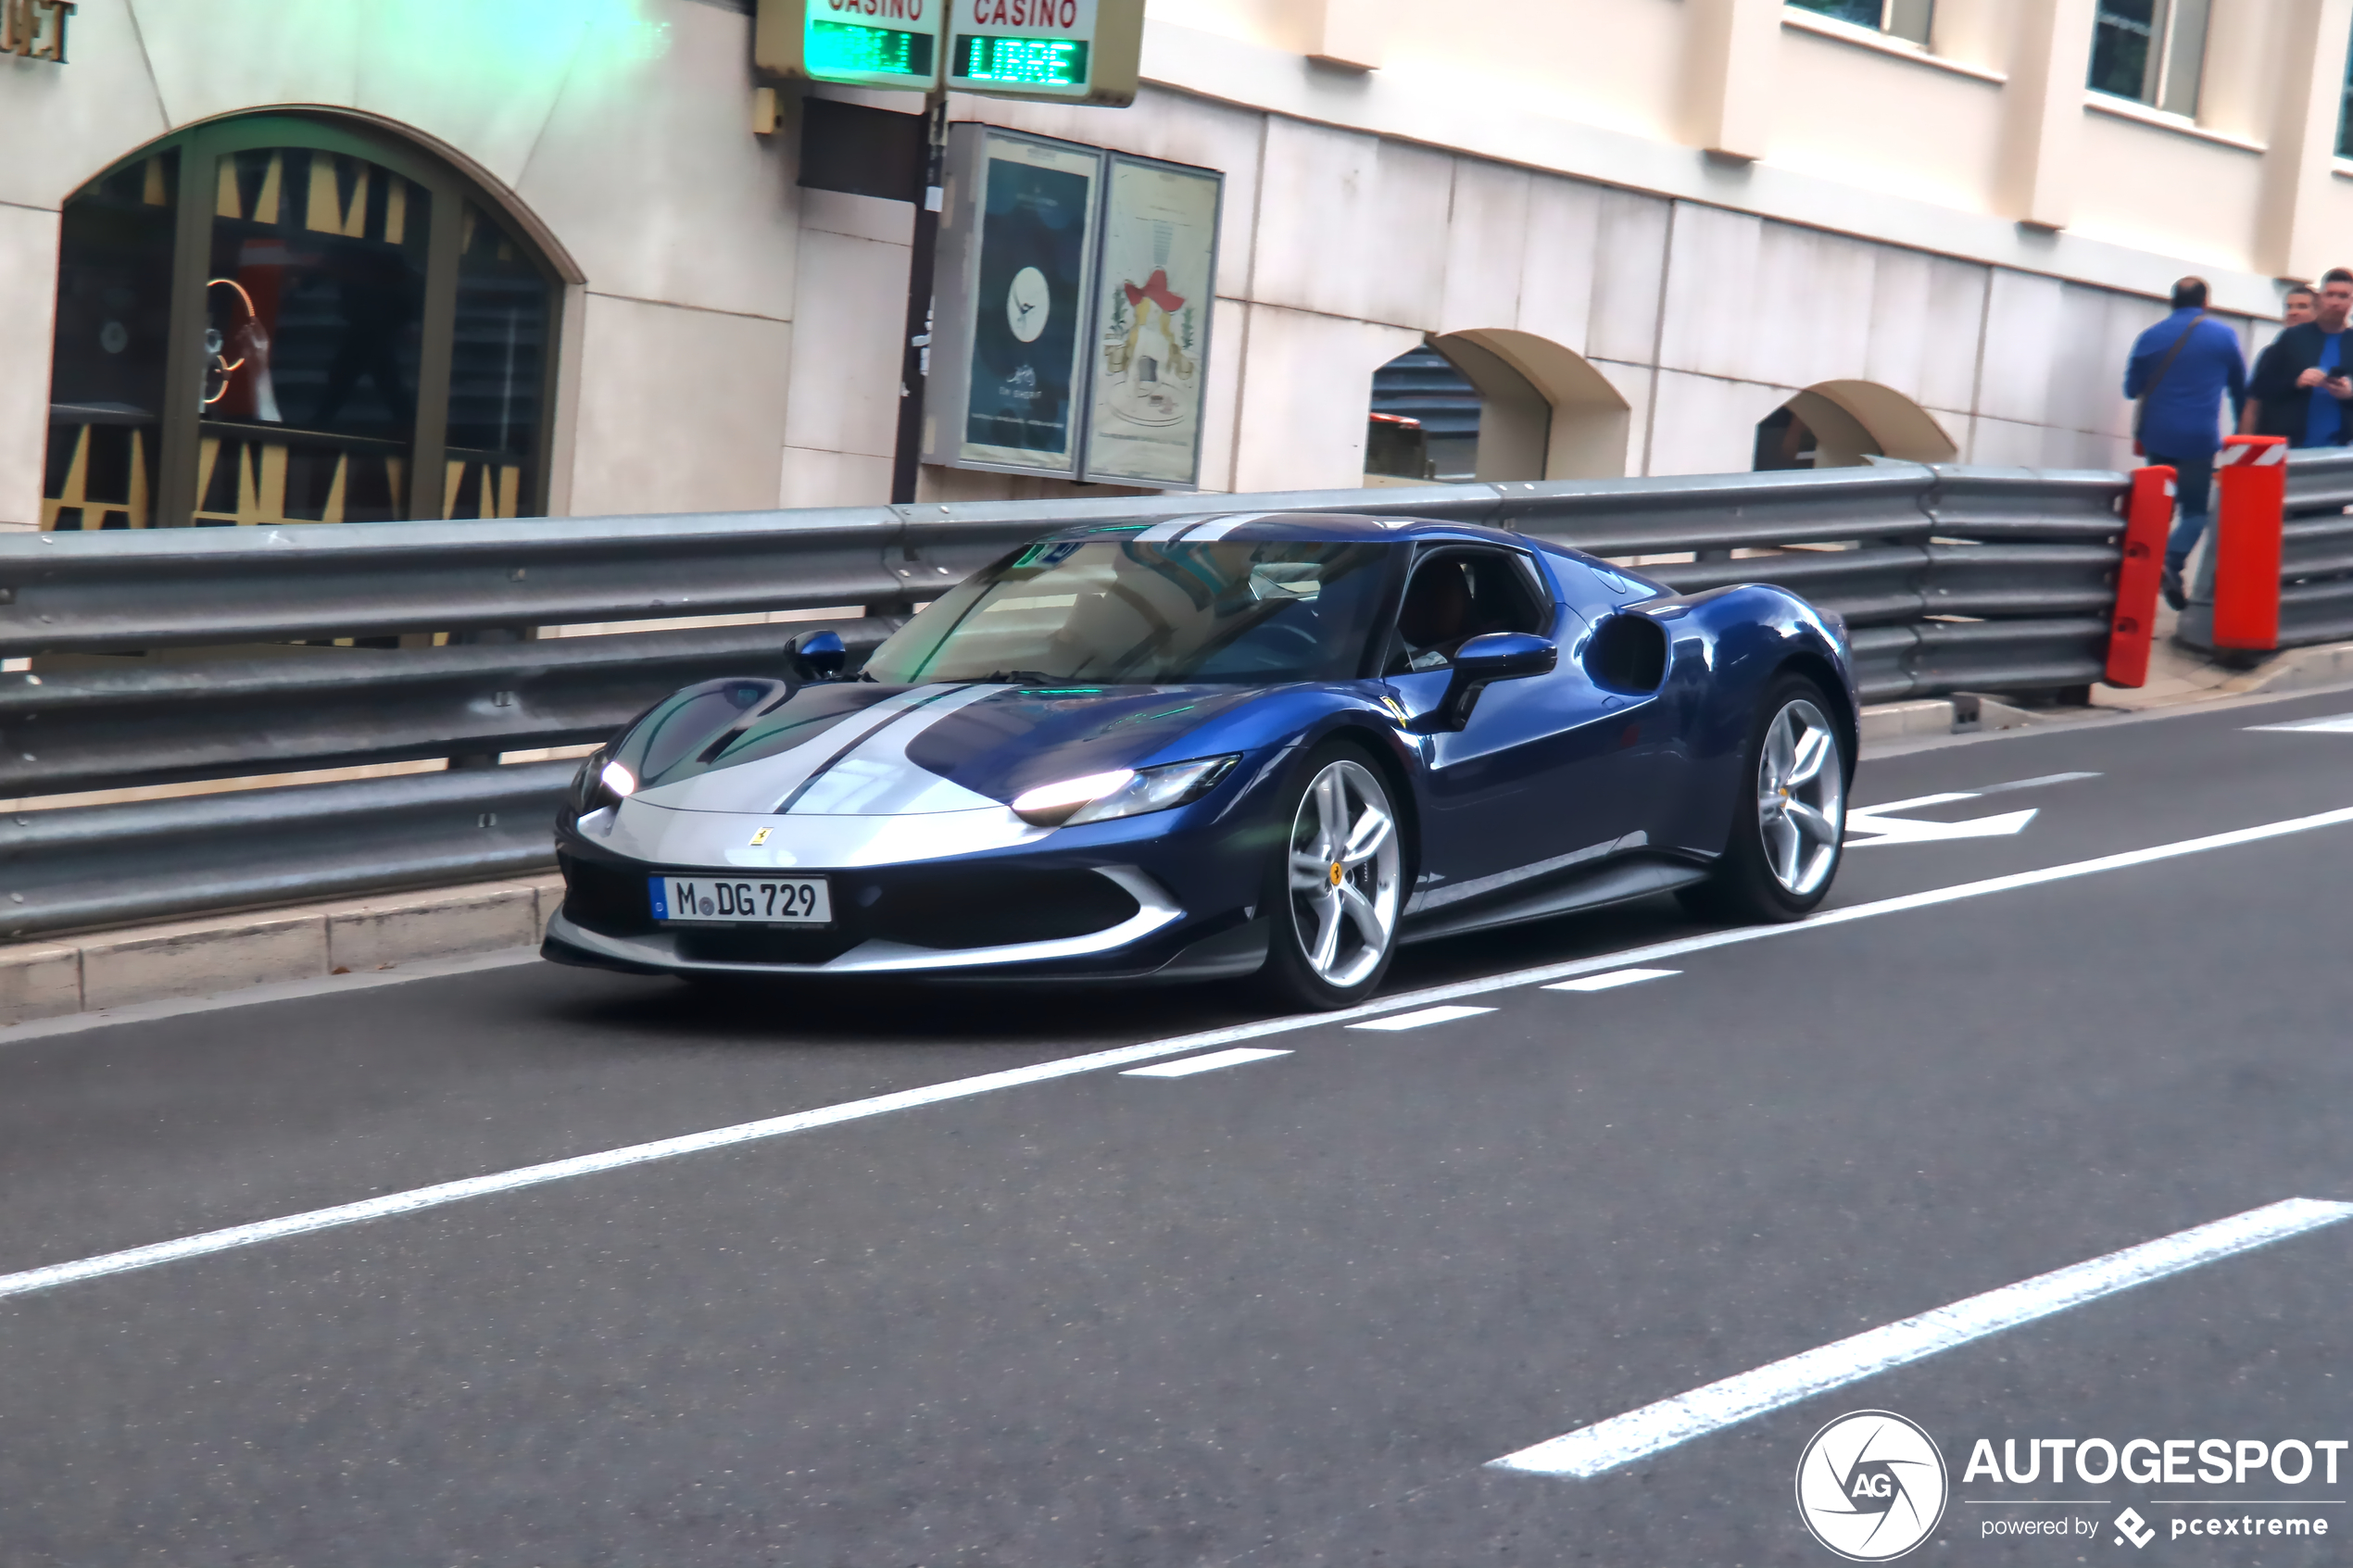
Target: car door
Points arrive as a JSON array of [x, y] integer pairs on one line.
[[1533, 783]]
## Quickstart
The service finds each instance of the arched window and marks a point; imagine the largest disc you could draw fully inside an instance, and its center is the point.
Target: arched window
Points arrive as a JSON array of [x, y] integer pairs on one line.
[[1493, 404], [1837, 425], [278, 318]]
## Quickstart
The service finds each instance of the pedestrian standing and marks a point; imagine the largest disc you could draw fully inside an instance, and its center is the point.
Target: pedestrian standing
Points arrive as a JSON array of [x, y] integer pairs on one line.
[[2179, 372], [2296, 306], [2301, 388]]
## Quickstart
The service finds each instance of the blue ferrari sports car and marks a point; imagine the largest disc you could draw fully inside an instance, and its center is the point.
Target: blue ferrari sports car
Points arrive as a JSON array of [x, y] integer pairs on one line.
[[1266, 744]]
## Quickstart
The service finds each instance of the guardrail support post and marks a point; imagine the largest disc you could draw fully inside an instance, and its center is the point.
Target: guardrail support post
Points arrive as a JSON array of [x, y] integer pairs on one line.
[[2149, 514], [2251, 474]]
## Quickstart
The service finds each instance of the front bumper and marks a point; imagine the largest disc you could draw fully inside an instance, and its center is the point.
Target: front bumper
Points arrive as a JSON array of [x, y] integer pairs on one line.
[[685, 946]]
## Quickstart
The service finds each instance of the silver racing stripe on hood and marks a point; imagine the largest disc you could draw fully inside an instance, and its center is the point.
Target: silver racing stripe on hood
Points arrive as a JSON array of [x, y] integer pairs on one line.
[[874, 777], [759, 785]]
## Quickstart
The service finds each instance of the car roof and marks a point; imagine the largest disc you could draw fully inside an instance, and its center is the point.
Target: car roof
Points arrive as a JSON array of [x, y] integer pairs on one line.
[[1333, 527]]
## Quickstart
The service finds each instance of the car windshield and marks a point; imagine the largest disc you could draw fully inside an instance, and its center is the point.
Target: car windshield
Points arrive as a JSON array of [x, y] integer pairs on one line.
[[1131, 613]]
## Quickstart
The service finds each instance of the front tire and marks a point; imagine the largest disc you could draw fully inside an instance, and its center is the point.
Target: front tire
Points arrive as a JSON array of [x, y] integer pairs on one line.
[[1788, 817], [1337, 886]]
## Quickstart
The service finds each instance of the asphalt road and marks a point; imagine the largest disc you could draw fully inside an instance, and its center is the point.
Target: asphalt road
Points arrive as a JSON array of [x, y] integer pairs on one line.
[[1281, 1313]]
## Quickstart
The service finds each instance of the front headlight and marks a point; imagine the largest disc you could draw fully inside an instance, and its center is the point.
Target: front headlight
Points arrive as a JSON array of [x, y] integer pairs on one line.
[[599, 784], [1124, 792]]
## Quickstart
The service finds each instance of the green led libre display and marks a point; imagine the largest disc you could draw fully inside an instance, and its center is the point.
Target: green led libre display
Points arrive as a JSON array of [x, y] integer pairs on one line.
[[1021, 62], [841, 49]]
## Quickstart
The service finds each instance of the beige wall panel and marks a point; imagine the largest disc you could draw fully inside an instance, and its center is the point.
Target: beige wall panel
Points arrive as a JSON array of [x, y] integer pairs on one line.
[[1710, 287], [1252, 21], [1852, 113], [1222, 397], [1977, 33], [657, 184], [477, 79], [2022, 316], [1486, 241], [2004, 444], [225, 55], [1307, 387], [1705, 425], [1633, 383], [833, 479], [863, 218], [2160, 191], [27, 249], [81, 116], [1331, 200], [846, 357], [1926, 316], [1802, 315], [1620, 64], [680, 411], [2096, 329], [1630, 277], [1163, 125], [1559, 263]]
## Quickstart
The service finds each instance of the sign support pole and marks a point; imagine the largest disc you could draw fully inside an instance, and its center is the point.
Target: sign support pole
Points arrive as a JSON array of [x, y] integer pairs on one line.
[[914, 369]]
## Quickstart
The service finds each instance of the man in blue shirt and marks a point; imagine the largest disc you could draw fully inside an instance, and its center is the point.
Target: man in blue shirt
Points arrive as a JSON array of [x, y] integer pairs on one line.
[[2301, 388], [2180, 370]]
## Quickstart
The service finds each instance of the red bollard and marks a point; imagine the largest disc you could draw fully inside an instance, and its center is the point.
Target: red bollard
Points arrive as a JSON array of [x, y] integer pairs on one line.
[[2251, 473], [2148, 517]]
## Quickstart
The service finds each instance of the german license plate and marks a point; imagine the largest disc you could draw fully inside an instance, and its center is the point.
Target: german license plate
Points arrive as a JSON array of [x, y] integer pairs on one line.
[[737, 900]]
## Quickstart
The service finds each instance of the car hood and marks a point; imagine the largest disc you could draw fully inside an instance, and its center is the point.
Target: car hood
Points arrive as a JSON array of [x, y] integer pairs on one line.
[[858, 749]]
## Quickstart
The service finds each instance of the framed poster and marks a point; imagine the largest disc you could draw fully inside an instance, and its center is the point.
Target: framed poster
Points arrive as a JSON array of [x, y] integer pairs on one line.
[[1009, 322], [1156, 286]]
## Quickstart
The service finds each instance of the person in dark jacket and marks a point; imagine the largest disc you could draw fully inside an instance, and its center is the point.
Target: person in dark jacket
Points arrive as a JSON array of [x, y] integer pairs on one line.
[[2181, 369], [2297, 306], [2301, 387]]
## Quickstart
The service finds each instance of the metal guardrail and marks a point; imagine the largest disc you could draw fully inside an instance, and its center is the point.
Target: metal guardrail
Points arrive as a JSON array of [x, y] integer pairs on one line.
[[2316, 549], [1949, 578]]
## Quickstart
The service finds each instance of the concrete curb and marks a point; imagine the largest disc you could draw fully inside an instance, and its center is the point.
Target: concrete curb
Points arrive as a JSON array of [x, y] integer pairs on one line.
[[197, 958]]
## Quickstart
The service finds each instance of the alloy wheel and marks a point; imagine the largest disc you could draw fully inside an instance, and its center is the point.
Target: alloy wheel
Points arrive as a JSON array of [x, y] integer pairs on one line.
[[1801, 798], [1344, 873]]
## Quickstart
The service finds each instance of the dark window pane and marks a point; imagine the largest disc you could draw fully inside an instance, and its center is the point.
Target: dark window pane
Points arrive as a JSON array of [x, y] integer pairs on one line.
[[2123, 36], [2345, 113], [314, 308], [1862, 13], [1422, 385], [497, 376], [107, 365]]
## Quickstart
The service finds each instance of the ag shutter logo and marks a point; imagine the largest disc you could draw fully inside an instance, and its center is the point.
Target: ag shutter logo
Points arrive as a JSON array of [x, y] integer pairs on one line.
[[1871, 1485]]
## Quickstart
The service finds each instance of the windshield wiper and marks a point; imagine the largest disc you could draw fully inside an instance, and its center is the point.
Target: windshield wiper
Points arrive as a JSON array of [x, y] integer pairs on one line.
[[1016, 678]]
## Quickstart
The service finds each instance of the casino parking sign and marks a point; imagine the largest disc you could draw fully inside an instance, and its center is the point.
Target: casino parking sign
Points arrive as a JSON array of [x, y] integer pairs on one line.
[[1075, 51]]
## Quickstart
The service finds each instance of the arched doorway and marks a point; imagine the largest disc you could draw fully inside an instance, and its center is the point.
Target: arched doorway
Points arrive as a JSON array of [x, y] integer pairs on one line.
[[281, 319], [1493, 405], [1845, 423]]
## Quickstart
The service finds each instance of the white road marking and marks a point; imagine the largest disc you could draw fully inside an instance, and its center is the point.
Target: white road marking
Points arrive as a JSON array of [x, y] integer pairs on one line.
[[1209, 1063], [1044, 1072], [1422, 1019], [1590, 1450], [2338, 724], [1911, 830], [2034, 783], [1612, 979]]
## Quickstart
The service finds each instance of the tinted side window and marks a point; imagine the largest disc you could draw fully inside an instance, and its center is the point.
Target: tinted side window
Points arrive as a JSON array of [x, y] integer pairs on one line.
[[1458, 594]]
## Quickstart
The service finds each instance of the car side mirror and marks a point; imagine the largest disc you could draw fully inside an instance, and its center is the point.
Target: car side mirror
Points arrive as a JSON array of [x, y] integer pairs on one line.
[[1478, 663], [817, 655]]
